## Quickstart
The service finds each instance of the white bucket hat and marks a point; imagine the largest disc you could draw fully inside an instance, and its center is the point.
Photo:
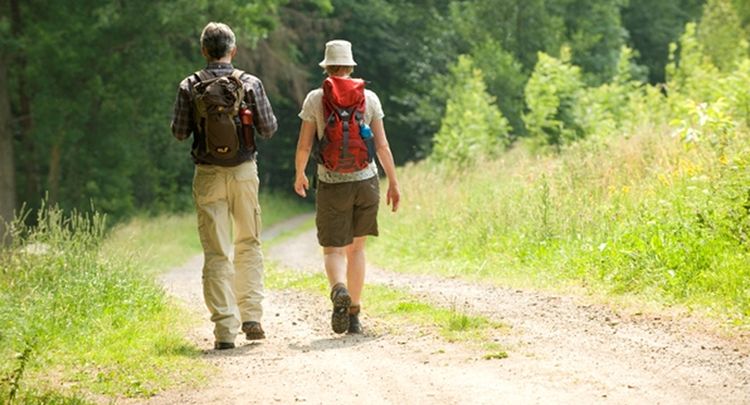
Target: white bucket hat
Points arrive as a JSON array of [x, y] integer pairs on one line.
[[338, 53]]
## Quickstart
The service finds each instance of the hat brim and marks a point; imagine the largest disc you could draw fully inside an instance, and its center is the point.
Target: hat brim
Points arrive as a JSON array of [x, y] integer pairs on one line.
[[324, 63]]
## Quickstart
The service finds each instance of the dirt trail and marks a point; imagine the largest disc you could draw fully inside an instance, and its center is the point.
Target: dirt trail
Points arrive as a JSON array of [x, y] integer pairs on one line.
[[561, 350]]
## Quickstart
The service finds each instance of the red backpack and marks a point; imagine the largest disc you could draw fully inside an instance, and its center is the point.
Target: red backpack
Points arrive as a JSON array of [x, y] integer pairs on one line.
[[343, 148]]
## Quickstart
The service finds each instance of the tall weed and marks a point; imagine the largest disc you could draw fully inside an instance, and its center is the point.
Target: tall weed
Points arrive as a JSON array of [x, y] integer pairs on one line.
[[645, 214], [96, 322]]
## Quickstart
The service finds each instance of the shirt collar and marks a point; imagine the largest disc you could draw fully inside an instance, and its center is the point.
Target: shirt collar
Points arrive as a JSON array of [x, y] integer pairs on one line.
[[219, 66]]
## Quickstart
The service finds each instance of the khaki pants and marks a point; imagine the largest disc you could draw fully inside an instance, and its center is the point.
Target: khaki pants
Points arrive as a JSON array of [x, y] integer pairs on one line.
[[233, 289]]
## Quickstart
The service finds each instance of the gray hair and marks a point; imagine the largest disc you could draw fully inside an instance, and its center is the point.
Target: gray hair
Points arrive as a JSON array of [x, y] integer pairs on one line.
[[218, 40]]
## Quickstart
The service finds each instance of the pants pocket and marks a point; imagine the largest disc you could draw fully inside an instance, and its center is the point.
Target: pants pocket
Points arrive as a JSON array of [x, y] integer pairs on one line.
[[206, 185]]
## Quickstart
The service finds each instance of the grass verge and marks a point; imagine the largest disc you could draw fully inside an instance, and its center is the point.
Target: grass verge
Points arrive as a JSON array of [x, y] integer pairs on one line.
[[86, 321], [645, 216], [82, 309]]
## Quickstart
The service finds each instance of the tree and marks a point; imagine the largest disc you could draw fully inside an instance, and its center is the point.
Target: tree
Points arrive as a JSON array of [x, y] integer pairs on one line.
[[551, 95], [505, 81], [606, 110], [473, 126], [743, 11], [522, 27], [92, 87], [653, 25], [7, 169], [721, 34], [7, 173], [595, 34]]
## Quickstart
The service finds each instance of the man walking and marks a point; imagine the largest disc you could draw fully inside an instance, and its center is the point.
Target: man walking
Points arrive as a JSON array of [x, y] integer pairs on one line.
[[221, 115]]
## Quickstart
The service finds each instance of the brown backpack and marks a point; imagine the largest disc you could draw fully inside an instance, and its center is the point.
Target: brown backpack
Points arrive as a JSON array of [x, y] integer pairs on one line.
[[216, 104]]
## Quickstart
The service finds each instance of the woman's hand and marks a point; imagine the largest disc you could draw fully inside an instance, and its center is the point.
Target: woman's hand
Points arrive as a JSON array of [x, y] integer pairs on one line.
[[301, 184]]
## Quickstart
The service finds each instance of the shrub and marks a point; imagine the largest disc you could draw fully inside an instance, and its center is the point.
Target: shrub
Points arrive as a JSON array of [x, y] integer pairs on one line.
[[473, 126], [552, 93]]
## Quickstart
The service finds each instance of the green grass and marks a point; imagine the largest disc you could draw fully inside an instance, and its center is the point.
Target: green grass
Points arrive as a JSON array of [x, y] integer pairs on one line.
[[35, 397], [646, 217], [158, 243], [165, 241], [279, 207], [89, 321], [498, 355], [84, 306], [398, 308]]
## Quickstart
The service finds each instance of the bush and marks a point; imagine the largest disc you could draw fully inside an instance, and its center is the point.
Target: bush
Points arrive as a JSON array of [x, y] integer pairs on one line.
[[473, 127], [552, 93]]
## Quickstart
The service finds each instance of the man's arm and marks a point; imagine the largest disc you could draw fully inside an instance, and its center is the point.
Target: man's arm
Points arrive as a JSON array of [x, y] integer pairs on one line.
[[265, 120], [182, 118], [304, 146]]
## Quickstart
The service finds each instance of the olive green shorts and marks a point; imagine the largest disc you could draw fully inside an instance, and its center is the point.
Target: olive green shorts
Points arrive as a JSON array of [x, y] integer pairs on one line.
[[344, 211]]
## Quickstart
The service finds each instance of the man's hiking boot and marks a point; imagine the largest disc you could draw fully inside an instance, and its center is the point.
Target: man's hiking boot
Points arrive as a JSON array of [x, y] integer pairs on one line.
[[341, 301], [223, 345], [253, 330], [355, 327]]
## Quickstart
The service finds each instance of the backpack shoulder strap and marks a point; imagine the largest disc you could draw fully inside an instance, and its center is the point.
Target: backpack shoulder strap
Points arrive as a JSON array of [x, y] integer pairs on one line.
[[202, 75], [237, 73]]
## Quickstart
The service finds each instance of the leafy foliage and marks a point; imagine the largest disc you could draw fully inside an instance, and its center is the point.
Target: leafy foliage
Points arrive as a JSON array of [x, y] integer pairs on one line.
[[720, 33], [611, 108], [551, 95], [505, 80], [653, 25], [594, 34], [473, 127], [100, 124], [92, 94]]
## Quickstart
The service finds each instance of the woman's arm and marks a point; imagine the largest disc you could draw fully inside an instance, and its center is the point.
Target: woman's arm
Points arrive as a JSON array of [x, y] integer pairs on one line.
[[304, 146], [383, 150]]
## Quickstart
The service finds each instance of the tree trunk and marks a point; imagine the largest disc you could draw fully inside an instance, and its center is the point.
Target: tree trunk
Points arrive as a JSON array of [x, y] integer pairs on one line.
[[33, 185], [53, 178], [7, 171]]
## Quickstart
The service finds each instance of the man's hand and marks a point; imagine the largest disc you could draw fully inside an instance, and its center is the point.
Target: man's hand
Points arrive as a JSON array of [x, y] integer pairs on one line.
[[393, 196], [301, 184]]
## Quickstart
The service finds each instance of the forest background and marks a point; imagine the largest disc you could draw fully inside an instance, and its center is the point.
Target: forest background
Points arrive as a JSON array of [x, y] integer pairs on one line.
[[87, 87]]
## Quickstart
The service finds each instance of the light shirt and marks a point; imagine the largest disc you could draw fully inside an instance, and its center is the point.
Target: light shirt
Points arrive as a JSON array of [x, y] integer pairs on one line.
[[312, 111]]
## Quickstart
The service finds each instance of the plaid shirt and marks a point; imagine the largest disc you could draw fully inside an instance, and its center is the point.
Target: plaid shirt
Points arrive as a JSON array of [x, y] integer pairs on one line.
[[183, 123]]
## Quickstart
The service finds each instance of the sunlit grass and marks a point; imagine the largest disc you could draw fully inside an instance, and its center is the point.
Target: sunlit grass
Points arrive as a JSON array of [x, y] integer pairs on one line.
[[643, 216], [90, 322], [86, 308], [278, 207], [162, 242], [157, 243]]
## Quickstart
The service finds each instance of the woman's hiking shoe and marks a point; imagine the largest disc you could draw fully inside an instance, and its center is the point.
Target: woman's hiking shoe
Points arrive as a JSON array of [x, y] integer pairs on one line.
[[223, 345], [354, 326], [341, 301], [253, 330]]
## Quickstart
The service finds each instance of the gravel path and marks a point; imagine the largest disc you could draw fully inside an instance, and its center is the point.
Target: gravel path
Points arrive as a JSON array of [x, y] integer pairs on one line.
[[561, 349]]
